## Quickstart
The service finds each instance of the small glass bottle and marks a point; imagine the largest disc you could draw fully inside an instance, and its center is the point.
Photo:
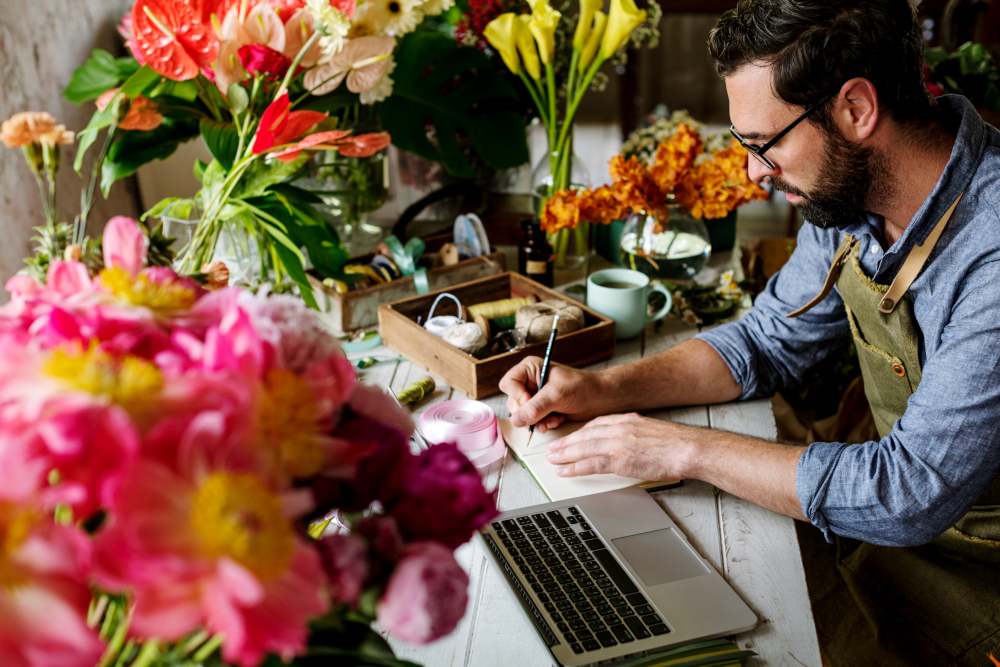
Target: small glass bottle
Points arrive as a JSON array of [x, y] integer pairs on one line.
[[534, 255]]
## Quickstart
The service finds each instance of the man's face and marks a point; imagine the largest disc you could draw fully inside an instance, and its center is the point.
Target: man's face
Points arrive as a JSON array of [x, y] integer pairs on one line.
[[825, 176]]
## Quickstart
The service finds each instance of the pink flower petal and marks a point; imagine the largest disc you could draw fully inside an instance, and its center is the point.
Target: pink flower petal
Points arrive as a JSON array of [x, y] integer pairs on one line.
[[124, 245]]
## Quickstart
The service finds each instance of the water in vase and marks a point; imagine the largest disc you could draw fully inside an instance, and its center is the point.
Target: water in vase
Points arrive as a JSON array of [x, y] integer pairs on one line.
[[669, 255]]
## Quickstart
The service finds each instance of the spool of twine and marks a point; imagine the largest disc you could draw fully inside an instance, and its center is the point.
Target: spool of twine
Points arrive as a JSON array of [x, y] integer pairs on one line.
[[492, 310], [466, 336], [416, 391], [535, 320]]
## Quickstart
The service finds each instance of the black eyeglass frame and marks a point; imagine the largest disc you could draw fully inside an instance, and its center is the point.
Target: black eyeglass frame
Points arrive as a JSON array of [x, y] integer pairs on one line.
[[758, 151]]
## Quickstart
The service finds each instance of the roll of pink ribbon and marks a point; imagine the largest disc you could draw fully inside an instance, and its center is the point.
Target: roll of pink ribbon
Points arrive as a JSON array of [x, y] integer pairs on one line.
[[471, 425]]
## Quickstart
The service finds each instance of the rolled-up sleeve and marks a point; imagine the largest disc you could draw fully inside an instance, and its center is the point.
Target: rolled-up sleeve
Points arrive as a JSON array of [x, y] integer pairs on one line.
[[766, 351], [911, 485]]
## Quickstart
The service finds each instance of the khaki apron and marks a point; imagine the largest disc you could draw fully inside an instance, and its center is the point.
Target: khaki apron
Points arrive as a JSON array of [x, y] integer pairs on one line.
[[937, 603]]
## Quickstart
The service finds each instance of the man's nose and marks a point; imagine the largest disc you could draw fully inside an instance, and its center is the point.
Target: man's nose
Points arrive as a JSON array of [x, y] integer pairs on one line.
[[757, 170]]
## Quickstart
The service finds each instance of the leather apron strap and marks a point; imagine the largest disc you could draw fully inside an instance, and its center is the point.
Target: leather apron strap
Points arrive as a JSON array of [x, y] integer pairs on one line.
[[907, 274]]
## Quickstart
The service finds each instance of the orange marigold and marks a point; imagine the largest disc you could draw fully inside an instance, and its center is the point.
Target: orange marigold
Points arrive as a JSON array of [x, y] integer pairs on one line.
[[676, 157], [561, 211]]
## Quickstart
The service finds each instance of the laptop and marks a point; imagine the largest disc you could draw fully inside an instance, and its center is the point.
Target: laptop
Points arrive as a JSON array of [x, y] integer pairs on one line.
[[609, 576]]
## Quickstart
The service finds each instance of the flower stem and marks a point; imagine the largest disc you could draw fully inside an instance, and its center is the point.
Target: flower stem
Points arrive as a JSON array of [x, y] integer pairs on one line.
[[295, 63], [534, 96]]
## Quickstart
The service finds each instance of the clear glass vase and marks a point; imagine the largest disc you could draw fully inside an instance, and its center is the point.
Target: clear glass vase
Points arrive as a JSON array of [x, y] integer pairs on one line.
[[670, 246], [351, 188], [571, 247], [235, 246]]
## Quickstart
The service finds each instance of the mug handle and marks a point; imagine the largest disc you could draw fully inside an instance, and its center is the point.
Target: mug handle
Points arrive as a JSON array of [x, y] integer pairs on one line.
[[666, 307]]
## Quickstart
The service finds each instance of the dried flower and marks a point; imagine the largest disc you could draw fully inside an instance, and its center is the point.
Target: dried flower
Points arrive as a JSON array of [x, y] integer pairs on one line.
[[73, 253], [217, 274]]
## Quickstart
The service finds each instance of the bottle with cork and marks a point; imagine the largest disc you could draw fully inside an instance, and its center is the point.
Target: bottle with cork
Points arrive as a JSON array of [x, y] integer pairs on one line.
[[534, 255]]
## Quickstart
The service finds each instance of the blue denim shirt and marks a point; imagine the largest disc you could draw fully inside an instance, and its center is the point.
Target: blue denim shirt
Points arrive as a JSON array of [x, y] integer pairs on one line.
[[911, 485]]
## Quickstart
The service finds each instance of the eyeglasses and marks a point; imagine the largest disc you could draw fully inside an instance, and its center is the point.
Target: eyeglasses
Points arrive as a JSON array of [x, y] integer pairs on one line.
[[758, 151]]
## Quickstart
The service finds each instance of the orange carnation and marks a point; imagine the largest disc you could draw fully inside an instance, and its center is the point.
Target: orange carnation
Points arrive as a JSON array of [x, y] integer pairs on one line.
[[676, 157], [561, 212]]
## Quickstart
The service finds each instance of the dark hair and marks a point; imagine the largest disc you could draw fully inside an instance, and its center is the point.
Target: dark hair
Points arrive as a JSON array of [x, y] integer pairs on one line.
[[815, 46]]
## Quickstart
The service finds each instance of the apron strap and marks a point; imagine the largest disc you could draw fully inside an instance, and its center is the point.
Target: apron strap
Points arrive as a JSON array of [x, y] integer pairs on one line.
[[914, 262], [831, 278]]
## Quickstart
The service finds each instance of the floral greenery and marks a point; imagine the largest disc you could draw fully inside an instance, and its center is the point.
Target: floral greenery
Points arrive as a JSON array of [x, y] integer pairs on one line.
[[701, 305], [970, 71]]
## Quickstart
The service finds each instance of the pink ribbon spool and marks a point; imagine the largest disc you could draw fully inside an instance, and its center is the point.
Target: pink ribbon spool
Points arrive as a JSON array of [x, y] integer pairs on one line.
[[471, 425]]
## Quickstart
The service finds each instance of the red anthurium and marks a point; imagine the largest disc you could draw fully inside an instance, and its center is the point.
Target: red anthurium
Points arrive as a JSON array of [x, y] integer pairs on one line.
[[172, 37], [280, 126], [362, 145]]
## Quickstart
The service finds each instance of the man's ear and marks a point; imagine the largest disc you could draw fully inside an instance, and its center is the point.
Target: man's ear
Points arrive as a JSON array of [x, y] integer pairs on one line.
[[855, 109]]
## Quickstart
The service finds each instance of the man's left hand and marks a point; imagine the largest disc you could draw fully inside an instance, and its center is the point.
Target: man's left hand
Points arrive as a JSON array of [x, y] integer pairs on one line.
[[628, 445]]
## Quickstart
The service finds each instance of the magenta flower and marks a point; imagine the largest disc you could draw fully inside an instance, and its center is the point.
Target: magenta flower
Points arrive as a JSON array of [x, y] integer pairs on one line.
[[442, 498], [44, 598], [426, 596], [345, 560], [264, 61]]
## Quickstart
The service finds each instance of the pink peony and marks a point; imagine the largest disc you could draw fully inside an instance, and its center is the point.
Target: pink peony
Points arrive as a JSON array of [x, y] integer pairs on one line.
[[21, 284], [43, 593], [68, 278], [377, 405], [442, 498], [124, 245], [426, 595], [345, 559], [261, 60], [213, 549], [331, 381]]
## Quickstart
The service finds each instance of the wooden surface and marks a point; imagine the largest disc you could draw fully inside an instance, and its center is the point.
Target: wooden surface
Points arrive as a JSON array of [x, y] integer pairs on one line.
[[754, 549]]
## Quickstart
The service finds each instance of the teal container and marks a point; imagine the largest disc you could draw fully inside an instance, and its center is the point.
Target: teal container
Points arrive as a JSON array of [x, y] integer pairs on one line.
[[721, 232], [607, 239]]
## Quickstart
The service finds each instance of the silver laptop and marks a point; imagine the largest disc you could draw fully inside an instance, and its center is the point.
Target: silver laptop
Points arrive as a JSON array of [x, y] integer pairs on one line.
[[610, 576]]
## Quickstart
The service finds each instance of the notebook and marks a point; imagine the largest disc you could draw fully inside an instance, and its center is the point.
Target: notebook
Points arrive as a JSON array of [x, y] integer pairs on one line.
[[562, 488]]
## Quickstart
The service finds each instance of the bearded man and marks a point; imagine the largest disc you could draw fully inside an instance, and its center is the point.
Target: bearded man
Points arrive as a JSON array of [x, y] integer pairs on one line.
[[902, 249]]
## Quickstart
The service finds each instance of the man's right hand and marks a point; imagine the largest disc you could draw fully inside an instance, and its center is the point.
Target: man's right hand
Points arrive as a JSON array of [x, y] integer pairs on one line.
[[569, 393]]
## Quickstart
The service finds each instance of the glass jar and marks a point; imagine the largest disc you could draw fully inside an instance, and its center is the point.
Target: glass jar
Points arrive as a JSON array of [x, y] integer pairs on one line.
[[534, 255], [676, 248]]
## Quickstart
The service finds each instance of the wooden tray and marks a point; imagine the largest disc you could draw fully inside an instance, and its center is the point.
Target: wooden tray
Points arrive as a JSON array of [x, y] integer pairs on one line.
[[480, 378], [358, 309]]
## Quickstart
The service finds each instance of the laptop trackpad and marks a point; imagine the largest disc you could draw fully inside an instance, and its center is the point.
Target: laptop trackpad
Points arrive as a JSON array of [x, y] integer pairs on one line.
[[660, 557]]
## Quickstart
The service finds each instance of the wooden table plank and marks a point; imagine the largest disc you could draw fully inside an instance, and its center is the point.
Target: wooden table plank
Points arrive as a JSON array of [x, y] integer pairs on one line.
[[762, 560]]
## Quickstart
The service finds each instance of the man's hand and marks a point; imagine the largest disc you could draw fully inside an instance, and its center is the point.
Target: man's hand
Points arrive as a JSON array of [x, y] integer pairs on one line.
[[627, 445], [569, 393]]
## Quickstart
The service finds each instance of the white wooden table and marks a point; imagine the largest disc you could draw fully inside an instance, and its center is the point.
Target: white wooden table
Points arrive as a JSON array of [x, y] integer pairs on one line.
[[756, 550]]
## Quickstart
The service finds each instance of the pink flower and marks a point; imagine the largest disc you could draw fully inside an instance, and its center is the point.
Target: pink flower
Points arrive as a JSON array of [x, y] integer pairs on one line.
[[68, 278], [124, 245], [442, 498], [211, 550], [346, 7], [44, 598], [125, 30], [345, 560], [362, 61], [258, 59], [298, 30], [287, 8], [20, 285], [362, 145], [426, 596], [377, 405], [332, 381]]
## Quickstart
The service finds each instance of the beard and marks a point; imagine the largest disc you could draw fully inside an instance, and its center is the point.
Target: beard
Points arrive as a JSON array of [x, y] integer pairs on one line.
[[851, 178]]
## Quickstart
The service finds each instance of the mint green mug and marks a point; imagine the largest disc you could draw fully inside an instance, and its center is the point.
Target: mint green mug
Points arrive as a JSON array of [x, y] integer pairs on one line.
[[622, 295]]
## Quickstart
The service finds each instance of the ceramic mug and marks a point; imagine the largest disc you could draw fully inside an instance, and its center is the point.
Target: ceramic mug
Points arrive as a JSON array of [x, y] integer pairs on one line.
[[622, 295]]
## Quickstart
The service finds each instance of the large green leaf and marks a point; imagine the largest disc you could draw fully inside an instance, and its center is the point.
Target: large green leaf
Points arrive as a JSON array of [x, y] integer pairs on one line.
[[134, 149], [222, 139], [100, 73], [264, 173], [459, 91]]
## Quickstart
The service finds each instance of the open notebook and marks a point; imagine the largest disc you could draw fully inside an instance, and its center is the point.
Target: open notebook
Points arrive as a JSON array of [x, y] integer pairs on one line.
[[554, 486]]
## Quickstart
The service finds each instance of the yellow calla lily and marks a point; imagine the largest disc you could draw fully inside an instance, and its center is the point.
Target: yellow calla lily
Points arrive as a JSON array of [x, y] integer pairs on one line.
[[501, 33], [532, 3], [593, 40], [587, 9], [623, 18], [526, 47], [542, 25]]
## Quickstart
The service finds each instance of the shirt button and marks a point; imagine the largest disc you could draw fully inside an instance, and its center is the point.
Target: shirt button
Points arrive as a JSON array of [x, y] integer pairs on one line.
[[874, 248], [898, 370]]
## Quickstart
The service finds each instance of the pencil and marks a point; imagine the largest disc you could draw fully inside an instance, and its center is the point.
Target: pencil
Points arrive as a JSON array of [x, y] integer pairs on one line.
[[545, 371]]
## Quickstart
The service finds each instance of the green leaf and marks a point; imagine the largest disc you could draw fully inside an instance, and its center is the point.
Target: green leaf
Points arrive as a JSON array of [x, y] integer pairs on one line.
[[238, 98], [178, 206], [330, 103], [222, 139], [459, 91], [262, 174], [305, 228], [184, 90], [293, 266], [136, 84], [134, 149], [99, 74]]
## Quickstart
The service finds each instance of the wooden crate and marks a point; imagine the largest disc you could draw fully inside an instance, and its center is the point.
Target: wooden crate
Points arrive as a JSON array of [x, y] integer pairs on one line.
[[478, 378], [358, 309]]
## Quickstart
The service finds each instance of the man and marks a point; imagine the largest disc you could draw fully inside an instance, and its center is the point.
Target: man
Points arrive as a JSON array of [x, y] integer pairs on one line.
[[903, 250]]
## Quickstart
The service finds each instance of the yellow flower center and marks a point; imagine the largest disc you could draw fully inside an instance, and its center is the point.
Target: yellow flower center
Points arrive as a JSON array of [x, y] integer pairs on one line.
[[141, 291], [237, 516], [129, 381], [15, 525], [288, 421]]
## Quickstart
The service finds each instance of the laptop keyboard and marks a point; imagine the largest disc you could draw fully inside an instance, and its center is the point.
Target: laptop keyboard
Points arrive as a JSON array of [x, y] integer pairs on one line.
[[593, 601]]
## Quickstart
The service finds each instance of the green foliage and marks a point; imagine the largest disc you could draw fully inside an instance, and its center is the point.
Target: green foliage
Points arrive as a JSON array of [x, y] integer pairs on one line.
[[133, 149], [222, 139], [51, 243], [458, 90], [100, 73], [970, 71]]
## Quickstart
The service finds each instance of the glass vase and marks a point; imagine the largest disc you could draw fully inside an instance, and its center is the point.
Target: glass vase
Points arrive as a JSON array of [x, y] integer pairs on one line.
[[235, 246], [670, 246], [555, 172], [350, 188]]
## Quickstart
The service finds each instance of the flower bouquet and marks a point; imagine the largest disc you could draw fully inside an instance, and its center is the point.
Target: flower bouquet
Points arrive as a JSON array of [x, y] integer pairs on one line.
[[163, 449], [557, 69], [680, 185]]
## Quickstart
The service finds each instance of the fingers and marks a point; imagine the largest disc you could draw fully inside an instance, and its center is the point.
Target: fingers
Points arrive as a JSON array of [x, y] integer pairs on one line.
[[516, 383], [593, 466], [536, 409]]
